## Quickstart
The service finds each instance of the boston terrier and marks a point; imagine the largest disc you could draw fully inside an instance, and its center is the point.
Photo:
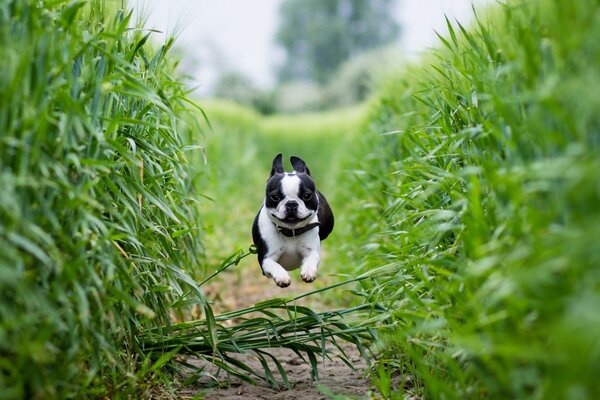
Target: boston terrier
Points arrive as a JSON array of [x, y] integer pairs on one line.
[[292, 221]]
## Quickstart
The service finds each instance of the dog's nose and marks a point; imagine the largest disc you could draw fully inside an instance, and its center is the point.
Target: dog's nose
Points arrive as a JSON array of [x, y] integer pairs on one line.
[[291, 205]]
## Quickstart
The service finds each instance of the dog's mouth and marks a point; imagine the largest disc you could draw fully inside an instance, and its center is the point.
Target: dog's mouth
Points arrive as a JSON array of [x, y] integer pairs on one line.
[[290, 219]]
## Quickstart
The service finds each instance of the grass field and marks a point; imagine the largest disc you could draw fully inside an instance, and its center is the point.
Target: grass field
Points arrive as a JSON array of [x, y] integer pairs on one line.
[[466, 195]]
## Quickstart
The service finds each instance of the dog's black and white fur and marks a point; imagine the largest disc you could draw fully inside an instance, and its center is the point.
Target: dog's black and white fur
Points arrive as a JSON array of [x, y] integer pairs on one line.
[[292, 221]]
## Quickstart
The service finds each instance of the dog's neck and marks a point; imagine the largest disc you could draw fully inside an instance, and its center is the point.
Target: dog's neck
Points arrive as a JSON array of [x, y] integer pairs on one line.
[[288, 232]]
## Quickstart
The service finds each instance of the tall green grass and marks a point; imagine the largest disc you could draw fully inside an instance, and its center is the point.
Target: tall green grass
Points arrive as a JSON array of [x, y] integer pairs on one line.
[[481, 192], [98, 225]]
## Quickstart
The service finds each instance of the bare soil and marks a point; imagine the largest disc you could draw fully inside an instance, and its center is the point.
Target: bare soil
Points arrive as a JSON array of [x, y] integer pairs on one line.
[[249, 287], [334, 375]]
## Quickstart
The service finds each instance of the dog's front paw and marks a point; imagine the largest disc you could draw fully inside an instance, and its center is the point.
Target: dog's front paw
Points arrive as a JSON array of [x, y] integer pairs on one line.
[[272, 269], [284, 281], [308, 274], [281, 278]]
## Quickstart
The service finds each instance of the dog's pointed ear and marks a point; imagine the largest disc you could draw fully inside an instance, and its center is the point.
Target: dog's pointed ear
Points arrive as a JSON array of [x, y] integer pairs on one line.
[[299, 165], [277, 165]]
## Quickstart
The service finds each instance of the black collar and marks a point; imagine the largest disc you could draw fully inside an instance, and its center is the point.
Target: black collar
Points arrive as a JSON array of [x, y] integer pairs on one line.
[[296, 232]]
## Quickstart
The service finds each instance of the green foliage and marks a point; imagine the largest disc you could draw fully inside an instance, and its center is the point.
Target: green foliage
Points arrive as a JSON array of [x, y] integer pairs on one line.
[[240, 146], [318, 36], [471, 220], [358, 78], [352, 83], [299, 97], [481, 194], [98, 227], [239, 88]]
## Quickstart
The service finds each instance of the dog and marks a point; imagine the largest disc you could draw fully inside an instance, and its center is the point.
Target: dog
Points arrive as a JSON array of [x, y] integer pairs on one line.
[[291, 223]]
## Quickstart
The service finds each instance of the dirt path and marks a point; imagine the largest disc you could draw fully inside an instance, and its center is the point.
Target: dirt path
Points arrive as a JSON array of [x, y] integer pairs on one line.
[[333, 374], [248, 287]]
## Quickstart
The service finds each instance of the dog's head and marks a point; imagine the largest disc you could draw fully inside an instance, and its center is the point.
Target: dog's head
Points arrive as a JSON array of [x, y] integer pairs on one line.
[[291, 197]]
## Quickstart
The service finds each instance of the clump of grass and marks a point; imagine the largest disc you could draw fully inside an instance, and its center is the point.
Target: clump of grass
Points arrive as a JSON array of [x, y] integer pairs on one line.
[[481, 193], [98, 226]]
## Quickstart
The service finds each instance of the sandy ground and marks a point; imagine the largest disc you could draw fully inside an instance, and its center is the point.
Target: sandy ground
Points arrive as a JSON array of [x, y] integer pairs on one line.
[[250, 287]]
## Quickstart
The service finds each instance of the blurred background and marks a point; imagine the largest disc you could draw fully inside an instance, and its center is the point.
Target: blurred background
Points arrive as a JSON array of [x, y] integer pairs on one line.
[[297, 55]]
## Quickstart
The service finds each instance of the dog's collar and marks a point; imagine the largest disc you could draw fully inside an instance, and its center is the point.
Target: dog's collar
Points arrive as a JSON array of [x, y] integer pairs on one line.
[[295, 232]]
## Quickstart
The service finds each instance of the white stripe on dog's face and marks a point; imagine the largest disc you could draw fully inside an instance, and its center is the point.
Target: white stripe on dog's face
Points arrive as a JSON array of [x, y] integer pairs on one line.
[[290, 185]]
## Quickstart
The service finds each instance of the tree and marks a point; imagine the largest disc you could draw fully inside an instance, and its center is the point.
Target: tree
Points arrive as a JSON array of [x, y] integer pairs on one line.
[[318, 35], [239, 88]]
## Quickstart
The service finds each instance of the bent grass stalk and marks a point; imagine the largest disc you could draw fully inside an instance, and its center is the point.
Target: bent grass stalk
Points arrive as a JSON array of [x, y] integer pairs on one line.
[[283, 324]]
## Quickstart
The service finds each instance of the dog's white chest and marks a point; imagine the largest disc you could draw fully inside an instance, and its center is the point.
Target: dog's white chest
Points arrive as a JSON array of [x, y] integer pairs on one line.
[[288, 252], [292, 253], [290, 258]]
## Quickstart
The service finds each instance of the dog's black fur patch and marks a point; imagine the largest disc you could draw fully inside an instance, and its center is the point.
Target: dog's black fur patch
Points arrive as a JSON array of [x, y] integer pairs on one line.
[[261, 245], [325, 217]]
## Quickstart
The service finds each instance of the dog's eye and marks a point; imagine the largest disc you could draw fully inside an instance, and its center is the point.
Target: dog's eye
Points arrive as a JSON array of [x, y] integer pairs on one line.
[[307, 196], [275, 197]]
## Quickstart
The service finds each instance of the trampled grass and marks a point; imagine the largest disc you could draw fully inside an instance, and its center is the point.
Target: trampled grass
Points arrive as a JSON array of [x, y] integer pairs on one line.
[[481, 192]]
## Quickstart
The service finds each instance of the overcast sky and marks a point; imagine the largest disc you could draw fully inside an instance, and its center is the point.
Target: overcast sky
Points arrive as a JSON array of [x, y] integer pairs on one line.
[[239, 34]]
